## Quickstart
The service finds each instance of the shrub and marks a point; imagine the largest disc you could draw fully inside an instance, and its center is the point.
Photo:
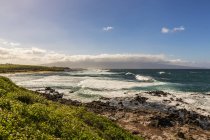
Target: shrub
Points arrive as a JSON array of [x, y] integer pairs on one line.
[[26, 115]]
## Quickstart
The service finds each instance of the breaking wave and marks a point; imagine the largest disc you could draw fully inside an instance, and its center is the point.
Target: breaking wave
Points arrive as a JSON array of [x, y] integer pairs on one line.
[[114, 84], [144, 78], [129, 73], [161, 72]]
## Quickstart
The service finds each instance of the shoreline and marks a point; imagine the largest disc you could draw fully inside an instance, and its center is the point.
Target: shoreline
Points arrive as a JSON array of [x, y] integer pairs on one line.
[[153, 115], [141, 117]]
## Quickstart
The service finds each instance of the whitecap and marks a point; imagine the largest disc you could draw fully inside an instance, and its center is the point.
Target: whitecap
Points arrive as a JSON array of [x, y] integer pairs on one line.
[[109, 84], [129, 73], [161, 72], [144, 78], [92, 72]]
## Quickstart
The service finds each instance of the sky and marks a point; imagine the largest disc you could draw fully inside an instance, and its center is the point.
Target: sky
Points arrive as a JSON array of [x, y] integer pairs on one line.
[[174, 32]]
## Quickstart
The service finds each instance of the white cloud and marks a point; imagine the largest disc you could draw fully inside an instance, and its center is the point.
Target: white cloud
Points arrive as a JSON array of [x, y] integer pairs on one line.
[[166, 30], [178, 29], [7, 43], [33, 55], [116, 58], [108, 28], [120, 61], [37, 51]]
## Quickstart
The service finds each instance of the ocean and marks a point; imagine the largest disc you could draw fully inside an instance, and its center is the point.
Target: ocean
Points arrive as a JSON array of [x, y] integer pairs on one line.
[[89, 85]]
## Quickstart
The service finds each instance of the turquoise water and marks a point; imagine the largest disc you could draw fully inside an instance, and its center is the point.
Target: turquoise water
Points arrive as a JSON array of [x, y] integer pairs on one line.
[[88, 85]]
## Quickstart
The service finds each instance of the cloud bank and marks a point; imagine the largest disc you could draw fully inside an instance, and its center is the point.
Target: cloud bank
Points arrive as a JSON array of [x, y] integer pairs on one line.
[[12, 52], [120, 61], [166, 30]]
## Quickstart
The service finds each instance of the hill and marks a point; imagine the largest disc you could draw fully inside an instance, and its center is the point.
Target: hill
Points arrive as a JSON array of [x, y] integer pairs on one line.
[[119, 65], [27, 115], [5, 68]]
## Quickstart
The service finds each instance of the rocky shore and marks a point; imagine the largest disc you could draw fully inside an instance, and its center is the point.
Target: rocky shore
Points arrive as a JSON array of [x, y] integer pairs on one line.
[[169, 119]]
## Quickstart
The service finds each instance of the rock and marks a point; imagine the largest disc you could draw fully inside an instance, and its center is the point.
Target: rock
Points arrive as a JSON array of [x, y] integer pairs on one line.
[[71, 91], [158, 93], [50, 93], [51, 90], [183, 116], [135, 132], [98, 106], [70, 102], [120, 103], [201, 109], [104, 98], [167, 101], [181, 135], [153, 123], [48, 88], [172, 99], [140, 99], [177, 104], [179, 99], [159, 121]]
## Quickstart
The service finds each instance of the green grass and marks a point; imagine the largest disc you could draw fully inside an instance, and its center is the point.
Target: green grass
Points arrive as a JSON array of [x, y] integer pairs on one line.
[[5, 68], [26, 115]]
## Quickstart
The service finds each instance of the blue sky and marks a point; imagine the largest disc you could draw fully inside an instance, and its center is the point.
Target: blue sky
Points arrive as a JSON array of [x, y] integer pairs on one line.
[[78, 27]]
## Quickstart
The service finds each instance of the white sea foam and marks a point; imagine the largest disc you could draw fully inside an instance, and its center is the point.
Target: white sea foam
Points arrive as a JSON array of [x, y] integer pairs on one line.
[[129, 73], [114, 84], [144, 78], [191, 101], [92, 72], [161, 72], [51, 81]]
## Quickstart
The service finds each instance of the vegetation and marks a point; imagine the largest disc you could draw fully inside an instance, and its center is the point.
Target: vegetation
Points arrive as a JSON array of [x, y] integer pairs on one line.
[[26, 115], [24, 68]]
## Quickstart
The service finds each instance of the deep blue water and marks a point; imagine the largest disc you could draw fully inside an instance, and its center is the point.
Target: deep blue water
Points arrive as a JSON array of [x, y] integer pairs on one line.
[[186, 80]]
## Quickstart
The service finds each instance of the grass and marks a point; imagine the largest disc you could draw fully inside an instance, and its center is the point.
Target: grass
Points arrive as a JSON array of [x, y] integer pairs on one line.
[[26, 115], [5, 68]]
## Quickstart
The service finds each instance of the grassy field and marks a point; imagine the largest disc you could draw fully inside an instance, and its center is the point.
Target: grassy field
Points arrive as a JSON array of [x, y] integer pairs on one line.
[[26, 115], [5, 68]]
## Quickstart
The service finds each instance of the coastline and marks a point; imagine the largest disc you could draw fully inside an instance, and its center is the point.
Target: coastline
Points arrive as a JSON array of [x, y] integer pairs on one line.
[[152, 121], [151, 115], [16, 68]]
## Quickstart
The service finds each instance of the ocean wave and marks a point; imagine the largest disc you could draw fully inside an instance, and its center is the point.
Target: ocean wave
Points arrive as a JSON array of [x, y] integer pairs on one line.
[[161, 72], [109, 84], [50, 81], [91, 72], [144, 78], [129, 73]]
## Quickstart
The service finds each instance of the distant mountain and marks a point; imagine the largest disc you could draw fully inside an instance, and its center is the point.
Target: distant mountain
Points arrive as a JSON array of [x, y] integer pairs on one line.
[[119, 65]]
